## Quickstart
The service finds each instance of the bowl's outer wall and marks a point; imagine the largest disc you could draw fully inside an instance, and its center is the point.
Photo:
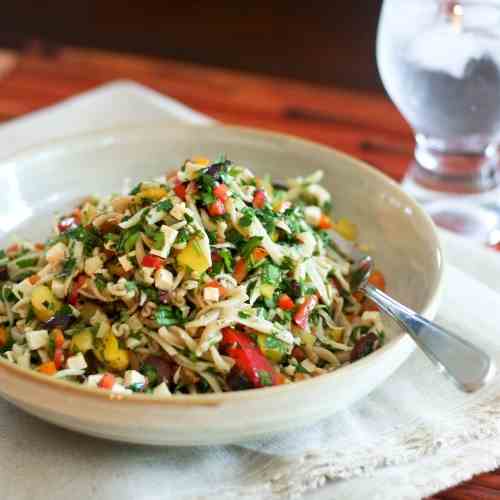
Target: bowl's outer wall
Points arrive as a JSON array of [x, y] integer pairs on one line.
[[402, 241]]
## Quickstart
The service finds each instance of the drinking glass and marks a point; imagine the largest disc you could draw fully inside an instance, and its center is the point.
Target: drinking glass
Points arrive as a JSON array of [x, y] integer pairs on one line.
[[439, 61]]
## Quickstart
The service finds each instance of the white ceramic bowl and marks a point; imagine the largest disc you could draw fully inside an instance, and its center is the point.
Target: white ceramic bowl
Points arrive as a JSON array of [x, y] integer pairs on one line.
[[42, 181]]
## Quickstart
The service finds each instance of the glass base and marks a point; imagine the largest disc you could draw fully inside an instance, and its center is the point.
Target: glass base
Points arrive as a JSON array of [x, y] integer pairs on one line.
[[474, 216], [462, 166], [474, 222]]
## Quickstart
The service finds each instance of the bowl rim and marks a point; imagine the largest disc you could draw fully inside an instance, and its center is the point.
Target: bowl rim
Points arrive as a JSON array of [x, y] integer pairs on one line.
[[215, 399]]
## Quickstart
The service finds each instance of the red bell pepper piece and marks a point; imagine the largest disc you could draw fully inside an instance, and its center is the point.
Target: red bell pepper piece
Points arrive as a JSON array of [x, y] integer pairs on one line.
[[58, 357], [221, 192], [325, 222], [240, 270], [301, 317], [216, 208], [75, 289], [153, 261], [259, 199], [285, 302], [180, 190], [248, 358], [107, 381]]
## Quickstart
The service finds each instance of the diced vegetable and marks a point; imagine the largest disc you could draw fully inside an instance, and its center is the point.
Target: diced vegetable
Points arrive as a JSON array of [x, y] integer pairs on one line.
[[180, 190], [58, 337], [285, 302], [259, 199], [240, 270], [272, 348], [78, 283], [47, 368], [88, 310], [267, 290], [258, 254], [44, 303], [117, 359], [301, 317], [82, 341], [216, 208], [248, 358], [153, 261], [324, 222], [152, 193], [107, 381], [221, 191], [4, 337], [193, 257], [58, 357]]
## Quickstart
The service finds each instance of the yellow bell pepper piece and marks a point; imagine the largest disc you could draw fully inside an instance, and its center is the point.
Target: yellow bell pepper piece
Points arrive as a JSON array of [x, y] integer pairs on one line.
[[121, 362], [82, 341], [193, 257], [117, 359], [272, 348], [152, 193], [267, 290], [308, 338], [44, 303], [200, 160]]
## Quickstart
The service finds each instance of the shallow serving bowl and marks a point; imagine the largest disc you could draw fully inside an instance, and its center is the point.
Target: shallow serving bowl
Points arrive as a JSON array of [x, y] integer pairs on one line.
[[42, 181]]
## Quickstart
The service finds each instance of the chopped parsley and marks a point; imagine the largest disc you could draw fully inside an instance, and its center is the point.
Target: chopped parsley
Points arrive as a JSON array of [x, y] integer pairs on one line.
[[165, 205], [227, 258], [247, 218], [168, 315], [24, 263], [87, 235], [265, 378], [136, 189], [68, 267], [271, 274]]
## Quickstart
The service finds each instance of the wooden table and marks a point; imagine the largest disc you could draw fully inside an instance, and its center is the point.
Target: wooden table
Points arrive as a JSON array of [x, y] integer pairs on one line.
[[366, 126]]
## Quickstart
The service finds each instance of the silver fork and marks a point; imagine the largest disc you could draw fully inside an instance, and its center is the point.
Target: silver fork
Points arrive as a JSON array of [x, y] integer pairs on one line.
[[467, 365]]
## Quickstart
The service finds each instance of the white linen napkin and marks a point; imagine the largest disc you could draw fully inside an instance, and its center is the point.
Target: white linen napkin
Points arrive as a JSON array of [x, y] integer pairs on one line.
[[411, 437]]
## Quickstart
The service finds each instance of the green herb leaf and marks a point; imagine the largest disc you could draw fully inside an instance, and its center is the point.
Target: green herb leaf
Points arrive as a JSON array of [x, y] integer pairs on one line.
[[227, 259], [165, 205], [136, 189], [24, 263], [265, 378], [271, 274], [247, 217], [168, 315], [68, 267], [88, 236]]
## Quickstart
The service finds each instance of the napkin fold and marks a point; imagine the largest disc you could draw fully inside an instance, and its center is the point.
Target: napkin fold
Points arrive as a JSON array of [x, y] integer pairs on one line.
[[411, 437]]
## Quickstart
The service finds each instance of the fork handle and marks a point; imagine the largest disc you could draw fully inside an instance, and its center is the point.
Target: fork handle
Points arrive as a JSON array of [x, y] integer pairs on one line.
[[467, 365]]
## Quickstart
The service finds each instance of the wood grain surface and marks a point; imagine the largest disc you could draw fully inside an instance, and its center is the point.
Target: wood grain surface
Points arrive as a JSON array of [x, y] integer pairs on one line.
[[365, 125]]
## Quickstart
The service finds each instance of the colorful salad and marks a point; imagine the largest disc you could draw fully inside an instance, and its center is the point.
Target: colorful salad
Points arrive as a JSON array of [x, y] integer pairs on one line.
[[209, 280]]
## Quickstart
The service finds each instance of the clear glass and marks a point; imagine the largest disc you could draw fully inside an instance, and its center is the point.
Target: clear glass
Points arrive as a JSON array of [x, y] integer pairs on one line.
[[439, 61]]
